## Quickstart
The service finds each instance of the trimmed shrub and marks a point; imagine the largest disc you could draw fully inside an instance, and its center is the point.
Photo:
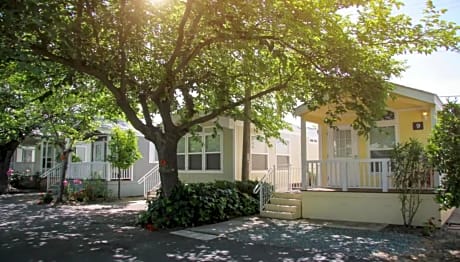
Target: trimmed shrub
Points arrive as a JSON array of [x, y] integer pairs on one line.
[[199, 204]]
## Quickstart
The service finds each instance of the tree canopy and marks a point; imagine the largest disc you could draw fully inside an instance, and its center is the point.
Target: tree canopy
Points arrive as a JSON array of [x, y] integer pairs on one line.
[[190, 61]]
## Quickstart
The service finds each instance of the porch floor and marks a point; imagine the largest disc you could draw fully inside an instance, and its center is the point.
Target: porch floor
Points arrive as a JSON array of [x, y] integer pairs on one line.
[[359, 190]]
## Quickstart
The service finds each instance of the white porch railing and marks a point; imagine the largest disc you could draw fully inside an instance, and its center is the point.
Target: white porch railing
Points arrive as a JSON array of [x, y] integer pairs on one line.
[[23, 167], [102, 170], [126, 174], [53, 176], [151, 180], [355, 174]]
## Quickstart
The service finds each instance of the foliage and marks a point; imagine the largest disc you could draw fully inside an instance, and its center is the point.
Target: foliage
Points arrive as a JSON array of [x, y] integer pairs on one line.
[[88, 190], [123, 150], [189, 62], [429, 227], [411, 170], [24, 180], [198, 204], [46, 198], [444, 150]]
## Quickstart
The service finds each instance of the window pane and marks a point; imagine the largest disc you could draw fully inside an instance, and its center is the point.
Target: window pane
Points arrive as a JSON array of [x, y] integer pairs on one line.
[[282, 161], [212, 161], [27, 155], [281, 148], [194, 162], [194, 144], [342, 143], [213, 143], [381, 154], [259, 162], [81, 153], [382, 137], [258, 146], [181, 162], [181, 145]]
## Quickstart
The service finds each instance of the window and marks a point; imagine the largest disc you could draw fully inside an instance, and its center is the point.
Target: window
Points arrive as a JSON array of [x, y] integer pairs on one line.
[[195, 153], [80, 152], [312, 135], [201, 152], [100, 149], [342, 143], [259, 154], [282, 154], [212, 151], [181, 154], [382, 141], [25, 154]]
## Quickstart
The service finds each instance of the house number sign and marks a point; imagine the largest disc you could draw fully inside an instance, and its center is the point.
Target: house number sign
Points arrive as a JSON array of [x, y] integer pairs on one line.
[[417, 126]]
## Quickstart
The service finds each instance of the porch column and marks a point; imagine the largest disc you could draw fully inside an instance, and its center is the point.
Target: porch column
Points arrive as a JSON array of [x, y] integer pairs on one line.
[[303, 153]]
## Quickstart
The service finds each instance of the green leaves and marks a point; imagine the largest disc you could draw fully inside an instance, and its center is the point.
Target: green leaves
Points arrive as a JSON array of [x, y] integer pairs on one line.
[[123, 148], [444, 150], [203, 203]]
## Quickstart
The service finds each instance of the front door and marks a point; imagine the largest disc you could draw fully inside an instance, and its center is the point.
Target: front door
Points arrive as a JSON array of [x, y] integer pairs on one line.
[[343, 154]]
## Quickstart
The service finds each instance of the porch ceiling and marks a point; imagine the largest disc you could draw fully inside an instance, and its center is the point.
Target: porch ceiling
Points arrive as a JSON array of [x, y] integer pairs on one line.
[[397, 103]]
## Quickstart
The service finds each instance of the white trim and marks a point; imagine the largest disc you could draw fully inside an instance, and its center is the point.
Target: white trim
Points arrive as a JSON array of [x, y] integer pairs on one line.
[[203, 153], [354, 142]]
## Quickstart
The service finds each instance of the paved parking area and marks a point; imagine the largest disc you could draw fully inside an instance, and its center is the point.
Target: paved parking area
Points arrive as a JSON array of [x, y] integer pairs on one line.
[[105, 232]]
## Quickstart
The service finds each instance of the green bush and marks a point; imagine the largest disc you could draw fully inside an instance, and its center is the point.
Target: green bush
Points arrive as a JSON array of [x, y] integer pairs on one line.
[[199, 204]]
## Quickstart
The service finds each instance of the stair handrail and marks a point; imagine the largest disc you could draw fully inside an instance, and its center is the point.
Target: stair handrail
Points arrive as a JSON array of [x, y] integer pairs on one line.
[[51, 170], [265, 187], [151, 180]]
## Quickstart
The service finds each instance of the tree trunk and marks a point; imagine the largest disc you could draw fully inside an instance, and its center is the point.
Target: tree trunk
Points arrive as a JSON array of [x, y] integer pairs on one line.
[[167, 153], [65, 162], [6, 152], [119, 182], [246, 161]]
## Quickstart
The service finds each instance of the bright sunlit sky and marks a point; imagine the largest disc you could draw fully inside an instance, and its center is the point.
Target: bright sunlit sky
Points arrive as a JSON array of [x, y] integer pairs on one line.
[[437, 73]]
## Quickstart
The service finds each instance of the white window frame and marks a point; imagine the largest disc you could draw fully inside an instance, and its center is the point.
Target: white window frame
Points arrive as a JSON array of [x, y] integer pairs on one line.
[[385, 123], [203, 152], [253, 152], [278, 153]]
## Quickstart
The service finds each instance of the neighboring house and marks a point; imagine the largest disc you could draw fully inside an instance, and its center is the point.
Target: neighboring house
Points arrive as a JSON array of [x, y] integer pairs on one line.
[[352, 179], [209, 154]]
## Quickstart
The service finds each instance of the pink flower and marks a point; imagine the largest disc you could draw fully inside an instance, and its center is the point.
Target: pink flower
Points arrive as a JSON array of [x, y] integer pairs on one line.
[[9, 172], [66, 182], [77, 182]]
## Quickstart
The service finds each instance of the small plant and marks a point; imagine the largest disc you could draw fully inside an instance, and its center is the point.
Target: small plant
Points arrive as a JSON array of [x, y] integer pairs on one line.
[[429, 227], [46, 198], [411, 171]]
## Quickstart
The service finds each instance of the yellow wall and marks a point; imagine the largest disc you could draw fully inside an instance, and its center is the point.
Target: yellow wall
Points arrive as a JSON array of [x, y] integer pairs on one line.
[[407, 111], [366, 207]]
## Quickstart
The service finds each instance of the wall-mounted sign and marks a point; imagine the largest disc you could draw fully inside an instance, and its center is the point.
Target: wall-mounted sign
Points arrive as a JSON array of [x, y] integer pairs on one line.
[[417, 125]]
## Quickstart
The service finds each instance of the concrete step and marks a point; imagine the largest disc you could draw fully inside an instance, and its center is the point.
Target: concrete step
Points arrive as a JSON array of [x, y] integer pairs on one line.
[[288, 195], [279, 215], [286, 202], [282, 208]]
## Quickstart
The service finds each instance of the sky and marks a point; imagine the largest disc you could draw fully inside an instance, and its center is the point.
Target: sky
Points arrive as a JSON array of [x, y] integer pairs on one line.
[[437, 73]]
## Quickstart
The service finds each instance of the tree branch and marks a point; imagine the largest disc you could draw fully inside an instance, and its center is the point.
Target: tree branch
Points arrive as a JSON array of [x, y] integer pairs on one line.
[[120, 97]]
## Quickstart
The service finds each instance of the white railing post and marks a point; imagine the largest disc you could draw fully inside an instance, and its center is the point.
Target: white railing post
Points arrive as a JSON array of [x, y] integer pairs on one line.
[[345, 178], [436, 179], [384, 174], [289, 185]]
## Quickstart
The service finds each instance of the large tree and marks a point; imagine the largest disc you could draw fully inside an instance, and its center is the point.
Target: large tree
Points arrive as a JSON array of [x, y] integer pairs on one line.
[[189, 61]]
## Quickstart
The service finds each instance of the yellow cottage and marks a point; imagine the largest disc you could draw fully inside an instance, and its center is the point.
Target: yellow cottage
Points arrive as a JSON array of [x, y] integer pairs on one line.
[[352, 180]]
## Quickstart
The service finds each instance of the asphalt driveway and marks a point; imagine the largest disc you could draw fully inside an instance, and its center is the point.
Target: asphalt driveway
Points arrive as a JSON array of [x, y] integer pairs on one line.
[[31, 232]]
